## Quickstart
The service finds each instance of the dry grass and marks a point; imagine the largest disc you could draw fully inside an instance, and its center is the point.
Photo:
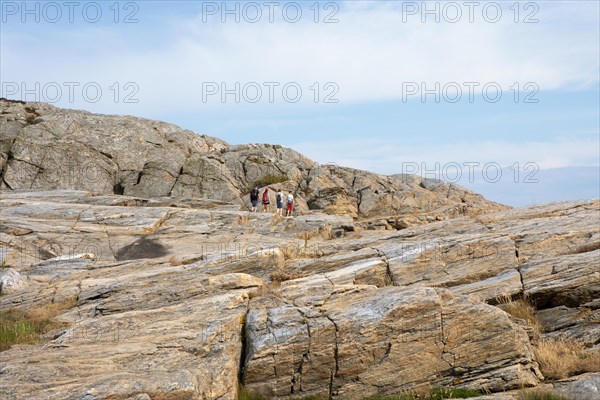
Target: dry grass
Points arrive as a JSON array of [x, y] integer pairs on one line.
[[324, 232], [282, 275], [292, 251], [49, 311], [17, 326], [539, 394], [521, 309], [242, 219], [179, 260], [560, 359], [386, 280], [266, 290]]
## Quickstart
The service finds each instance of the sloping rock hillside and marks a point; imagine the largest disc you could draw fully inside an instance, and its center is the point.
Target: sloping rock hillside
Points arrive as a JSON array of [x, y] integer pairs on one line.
[[128, 242], [44, 147], [168, 299]]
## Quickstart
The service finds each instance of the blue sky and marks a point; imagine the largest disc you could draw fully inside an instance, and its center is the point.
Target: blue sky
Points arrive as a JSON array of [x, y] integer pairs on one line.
[[362, 68]]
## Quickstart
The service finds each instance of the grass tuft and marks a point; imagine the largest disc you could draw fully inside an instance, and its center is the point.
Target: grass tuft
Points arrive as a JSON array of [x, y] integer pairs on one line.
[[539, 395], [17, 326], [281, 274], [560, 359], [522, 309], [245, 394]]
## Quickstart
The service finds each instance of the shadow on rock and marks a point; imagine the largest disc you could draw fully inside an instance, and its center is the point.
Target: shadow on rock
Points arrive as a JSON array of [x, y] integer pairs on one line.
[[142, 248]]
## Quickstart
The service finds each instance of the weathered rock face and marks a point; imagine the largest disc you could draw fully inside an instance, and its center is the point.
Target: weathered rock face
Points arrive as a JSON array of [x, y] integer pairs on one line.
[[171, 291], [360, 342], [166, 346], [43, 147], [173, 298], [587, 388]]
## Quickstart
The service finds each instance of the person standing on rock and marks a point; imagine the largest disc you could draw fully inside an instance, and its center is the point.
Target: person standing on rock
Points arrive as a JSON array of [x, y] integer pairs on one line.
[[254, 198], [290, 204], [279, 198], [265, 200]]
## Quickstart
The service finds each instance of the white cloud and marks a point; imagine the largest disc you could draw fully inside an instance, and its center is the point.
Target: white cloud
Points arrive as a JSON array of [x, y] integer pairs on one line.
[[370, 53], [393, 156]]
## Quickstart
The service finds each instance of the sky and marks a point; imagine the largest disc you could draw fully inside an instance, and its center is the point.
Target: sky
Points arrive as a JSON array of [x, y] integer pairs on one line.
[[502, 97]]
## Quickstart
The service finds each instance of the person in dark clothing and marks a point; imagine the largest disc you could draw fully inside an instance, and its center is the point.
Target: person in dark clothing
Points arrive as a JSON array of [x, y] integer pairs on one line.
[[254, 198]]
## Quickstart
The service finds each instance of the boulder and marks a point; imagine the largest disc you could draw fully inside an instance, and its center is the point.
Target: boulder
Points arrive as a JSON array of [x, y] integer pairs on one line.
[[10, 280]]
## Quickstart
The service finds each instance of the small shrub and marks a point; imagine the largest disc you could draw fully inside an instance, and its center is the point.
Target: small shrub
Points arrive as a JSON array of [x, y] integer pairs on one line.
[[270, 179], [560, 359], [289, 251], [30, 118]]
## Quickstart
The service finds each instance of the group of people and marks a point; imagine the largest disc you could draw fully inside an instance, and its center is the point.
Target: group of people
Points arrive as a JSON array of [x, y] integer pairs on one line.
[[289, 199]]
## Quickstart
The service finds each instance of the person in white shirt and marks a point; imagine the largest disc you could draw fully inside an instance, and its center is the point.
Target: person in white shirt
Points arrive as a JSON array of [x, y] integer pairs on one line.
[[290, 204]]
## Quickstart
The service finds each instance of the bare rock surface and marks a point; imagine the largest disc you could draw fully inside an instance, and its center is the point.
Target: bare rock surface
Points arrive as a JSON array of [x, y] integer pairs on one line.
[[364, 342], [177, 299], [583, 388], [44, 147], [170, 290]]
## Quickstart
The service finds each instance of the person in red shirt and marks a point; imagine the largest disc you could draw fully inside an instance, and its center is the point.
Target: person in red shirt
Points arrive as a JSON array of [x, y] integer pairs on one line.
[[290, 204], [265, 200]]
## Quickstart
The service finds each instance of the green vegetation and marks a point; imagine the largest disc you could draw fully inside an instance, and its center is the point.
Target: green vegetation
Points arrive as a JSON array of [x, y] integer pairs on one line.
[[245, 394], [17, 326], [271, 179]]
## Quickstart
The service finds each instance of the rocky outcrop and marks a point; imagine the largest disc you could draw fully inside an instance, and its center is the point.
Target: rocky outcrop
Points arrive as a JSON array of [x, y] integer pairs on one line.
[[355, 342], [43, 147], [135, 234], [180, 344], [179, 298]]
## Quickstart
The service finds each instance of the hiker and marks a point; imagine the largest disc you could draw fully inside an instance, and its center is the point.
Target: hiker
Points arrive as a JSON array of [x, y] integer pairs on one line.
[[279, 198], [290, 204], [265, 200], [254, 198]]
